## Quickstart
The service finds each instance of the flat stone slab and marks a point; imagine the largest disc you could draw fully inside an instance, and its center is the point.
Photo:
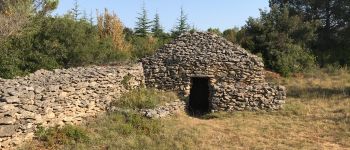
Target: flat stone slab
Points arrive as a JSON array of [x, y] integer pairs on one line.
[[7, 130], [7, 121]]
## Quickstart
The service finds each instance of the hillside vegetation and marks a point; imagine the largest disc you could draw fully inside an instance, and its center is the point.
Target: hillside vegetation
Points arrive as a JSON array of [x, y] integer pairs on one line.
[[293, 36], [316, 116]]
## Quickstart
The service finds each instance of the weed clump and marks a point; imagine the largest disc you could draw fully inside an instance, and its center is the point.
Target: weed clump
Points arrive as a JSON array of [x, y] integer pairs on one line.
[[144, 98], [68, 135]]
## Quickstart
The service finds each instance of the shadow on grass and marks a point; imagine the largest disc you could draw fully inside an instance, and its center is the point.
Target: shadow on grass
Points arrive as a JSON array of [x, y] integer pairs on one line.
[[317, 92]]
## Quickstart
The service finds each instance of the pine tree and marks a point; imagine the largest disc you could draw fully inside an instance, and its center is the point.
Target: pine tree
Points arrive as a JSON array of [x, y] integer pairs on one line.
[[75, 10], [143, 24], [182, 26], [157, 29]]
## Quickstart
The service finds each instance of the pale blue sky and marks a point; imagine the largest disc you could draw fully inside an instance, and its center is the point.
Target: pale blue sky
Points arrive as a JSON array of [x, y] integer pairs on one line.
[[202, 14]]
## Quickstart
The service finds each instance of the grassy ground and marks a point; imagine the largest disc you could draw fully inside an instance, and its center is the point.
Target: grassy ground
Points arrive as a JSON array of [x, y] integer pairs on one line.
[[316, 116]]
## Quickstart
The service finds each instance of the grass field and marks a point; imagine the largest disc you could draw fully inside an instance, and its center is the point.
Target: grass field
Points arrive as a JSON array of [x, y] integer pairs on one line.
[[315, 116]]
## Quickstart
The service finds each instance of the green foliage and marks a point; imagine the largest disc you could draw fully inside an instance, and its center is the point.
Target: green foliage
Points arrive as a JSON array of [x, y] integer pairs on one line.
[[54, 42], [281, 39], [157, 29], [132, 123], [9, 62], [215, 31], [182, 25], [126, 80], [143, 24], [145, 46], [69, 135], [144, 99], [294, 59], [231, 35], [332, 45]]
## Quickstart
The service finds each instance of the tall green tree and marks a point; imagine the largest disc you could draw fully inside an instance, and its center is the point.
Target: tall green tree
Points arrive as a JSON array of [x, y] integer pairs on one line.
[[143, 24], [333, 44], [182, 25], [157, 29], [282, 40]]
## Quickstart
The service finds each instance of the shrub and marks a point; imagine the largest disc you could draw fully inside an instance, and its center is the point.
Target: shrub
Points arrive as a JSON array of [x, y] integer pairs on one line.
[[282, 39], [144, 99], [67, 135], [139, 124], [292, 59], [54, 42], [144, 46]]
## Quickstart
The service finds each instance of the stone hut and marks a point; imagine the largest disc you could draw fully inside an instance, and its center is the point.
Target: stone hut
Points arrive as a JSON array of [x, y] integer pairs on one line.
[[216, 74]]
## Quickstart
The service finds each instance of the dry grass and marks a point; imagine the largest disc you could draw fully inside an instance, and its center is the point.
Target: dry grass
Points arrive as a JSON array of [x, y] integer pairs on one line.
[[316, 116]]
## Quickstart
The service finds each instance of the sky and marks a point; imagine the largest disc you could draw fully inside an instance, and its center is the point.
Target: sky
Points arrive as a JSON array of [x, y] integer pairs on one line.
[[201, 14]]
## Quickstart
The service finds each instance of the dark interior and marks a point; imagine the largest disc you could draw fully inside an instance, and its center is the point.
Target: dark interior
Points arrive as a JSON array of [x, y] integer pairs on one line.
[[199, 96]]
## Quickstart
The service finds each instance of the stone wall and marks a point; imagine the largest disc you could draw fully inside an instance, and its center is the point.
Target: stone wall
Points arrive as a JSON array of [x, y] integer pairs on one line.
[[49, 98], [236, 76]]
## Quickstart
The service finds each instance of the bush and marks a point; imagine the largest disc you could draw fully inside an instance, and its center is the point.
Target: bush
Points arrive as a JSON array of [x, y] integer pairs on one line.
[[144, 99], [293, 59], [69, 135], [55, 42], [145, 46], [134, 123], [283, 40]]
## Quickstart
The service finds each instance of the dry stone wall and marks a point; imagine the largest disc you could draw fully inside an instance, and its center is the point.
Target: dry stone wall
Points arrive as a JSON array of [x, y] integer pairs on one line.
[[236, 76], [67, 96]]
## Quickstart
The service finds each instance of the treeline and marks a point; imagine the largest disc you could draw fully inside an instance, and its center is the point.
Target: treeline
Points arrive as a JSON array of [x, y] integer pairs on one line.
[[293, 36], [298, 35], [32, 39]]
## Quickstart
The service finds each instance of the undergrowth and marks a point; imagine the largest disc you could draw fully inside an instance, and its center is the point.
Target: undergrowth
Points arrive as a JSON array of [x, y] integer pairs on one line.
[[144, 98], [310, 119]]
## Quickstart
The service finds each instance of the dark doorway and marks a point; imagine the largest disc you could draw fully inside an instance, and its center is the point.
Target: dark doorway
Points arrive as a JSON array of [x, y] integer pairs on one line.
[[199, 96]]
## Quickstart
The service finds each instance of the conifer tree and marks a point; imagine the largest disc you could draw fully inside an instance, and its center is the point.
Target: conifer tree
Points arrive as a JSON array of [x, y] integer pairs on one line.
[[143, 24], [182, 25], [75, 10], [157, 29]]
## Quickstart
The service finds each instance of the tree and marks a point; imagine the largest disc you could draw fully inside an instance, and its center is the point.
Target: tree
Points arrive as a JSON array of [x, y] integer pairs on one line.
[[75, 10], [231, 35], [182, 25], [110, 26], [332, 45], [157, 29], [143, 24], [14, 14], [45, 6], [282, 40], [215, 31]]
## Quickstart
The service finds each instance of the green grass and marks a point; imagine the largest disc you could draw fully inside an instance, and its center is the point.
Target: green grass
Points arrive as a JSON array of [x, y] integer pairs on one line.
[[57, 138], [144, 98], [309, 120]]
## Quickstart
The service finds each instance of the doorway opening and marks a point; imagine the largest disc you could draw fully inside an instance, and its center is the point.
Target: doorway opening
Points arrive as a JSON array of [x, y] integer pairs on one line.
[[199, 96]]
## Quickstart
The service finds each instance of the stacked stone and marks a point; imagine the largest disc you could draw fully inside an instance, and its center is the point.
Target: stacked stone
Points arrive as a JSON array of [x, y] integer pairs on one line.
[[58, 97], [237, 80]]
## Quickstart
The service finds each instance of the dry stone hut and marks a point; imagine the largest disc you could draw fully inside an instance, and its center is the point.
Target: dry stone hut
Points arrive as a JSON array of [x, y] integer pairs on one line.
[[216, 74]]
